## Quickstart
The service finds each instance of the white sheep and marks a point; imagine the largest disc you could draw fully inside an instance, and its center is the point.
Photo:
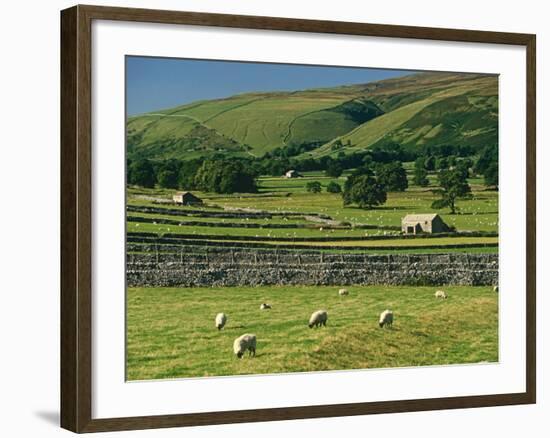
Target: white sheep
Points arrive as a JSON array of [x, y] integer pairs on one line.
[[386, 319], [265, 306], [318, 318], [244, 343], [440, 294], [495, 289], [343, 292], [221, 319]]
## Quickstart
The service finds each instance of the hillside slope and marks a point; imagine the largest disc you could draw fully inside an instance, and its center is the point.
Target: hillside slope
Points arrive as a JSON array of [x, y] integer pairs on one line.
[[464, 113], [425, 108]]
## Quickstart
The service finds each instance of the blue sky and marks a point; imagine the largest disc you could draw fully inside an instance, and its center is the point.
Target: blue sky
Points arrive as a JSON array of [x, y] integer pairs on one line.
[[158, 83]]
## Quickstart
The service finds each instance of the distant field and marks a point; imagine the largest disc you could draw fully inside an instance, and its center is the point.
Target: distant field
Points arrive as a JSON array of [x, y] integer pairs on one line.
[[478, 214], [171, 332]]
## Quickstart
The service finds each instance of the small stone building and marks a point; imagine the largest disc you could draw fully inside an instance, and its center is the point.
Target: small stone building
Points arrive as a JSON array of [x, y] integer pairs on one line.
[[423, 223], [186, 198], [292, 174]]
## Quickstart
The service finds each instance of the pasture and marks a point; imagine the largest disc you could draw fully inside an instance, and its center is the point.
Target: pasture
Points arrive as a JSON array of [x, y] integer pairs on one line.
[[171, 333], [291, 203]]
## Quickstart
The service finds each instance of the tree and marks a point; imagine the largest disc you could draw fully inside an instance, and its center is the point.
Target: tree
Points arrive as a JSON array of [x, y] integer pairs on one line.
[[334, 169], [487, 165], [142, 173], [313, 187], [488, 156], [364, 191], [333, 187], [208, 176], [454, 185], [464, 167], [421, 177], [429, 163], [168, 179], [491, 175], [420, 172], [222, 176], [277, 167], [188, 171], [236, 179], [393, 176], [441, 163]]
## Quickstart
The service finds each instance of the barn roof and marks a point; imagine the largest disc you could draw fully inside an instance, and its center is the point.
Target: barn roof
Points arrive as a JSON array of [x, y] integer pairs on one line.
[[420, 217]]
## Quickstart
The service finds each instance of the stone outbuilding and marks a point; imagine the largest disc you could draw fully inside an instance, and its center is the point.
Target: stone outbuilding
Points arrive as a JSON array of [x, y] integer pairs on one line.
[[186, 198], [292, 174], [423, 223]]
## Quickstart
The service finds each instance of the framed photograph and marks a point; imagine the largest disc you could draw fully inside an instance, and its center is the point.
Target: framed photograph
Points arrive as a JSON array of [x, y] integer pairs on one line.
[[268, 219]]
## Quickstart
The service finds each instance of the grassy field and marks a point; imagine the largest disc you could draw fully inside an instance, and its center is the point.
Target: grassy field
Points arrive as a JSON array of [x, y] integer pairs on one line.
[[477, 214], [171, 333]]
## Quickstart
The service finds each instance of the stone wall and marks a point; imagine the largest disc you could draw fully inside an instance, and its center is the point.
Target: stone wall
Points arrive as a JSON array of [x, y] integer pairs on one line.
[[236, 267]]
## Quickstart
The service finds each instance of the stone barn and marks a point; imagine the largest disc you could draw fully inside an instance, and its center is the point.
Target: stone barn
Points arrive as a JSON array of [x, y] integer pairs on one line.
[[186, 198], [292, 174], [423, 223]]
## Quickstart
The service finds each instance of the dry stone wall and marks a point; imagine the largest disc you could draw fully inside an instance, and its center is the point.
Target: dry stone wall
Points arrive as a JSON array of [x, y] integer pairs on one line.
[[235, 267]]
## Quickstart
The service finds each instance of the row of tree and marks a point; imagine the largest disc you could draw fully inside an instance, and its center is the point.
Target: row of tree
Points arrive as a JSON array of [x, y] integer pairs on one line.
[[218, 176], [181, 174], [427, 159]]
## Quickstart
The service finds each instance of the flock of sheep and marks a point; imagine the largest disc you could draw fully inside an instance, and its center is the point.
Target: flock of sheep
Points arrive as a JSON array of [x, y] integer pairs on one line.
[[247, 342]]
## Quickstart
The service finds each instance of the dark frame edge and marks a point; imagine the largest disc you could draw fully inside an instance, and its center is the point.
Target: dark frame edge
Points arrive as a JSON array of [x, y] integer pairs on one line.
[[531, 216], [75, 347], [69, 330], [302, 25], [76, 236], [303, 413]]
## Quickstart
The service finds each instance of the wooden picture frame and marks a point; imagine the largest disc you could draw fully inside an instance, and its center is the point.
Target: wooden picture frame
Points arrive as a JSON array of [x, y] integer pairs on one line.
[[76, 218]]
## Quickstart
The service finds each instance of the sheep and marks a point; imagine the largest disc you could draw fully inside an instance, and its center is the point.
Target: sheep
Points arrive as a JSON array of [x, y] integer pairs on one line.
[[440, 294], [343, 292], [386, 319], [244, 343], [221, 319], [495, 289], [318, 318], [265, 306]]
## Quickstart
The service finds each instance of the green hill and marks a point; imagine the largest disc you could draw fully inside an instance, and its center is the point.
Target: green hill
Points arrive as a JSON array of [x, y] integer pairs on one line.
[[466, 112], [426, 108]]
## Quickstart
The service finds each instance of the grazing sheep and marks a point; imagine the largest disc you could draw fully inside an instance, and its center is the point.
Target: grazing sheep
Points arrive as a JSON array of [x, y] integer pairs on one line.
[[265, 306], [244, 343], [495, 289], [221, 319], [343, 292], [386, 319], [318, 318], [440, 294]]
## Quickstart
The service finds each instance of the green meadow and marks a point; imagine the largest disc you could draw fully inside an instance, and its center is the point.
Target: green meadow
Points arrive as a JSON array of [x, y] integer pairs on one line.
[[171, 332]]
